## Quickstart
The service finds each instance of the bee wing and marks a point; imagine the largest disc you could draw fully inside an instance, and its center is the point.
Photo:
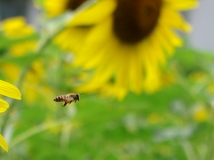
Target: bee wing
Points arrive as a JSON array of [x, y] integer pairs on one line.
[[71, 99]]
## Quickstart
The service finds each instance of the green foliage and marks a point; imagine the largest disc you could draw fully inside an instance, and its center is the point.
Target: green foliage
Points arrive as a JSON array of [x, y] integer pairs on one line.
[[21, 61], [97, 128], [6, 42]]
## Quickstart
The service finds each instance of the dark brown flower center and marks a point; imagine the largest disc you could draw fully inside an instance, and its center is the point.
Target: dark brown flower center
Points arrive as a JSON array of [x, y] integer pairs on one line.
[[133, 20], [73, 4]]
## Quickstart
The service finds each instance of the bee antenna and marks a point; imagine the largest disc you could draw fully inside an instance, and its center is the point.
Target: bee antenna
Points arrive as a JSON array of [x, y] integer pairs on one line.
[[82, 93]]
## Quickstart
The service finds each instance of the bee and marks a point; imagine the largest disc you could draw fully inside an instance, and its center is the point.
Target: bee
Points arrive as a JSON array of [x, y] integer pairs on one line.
[[68, 98]]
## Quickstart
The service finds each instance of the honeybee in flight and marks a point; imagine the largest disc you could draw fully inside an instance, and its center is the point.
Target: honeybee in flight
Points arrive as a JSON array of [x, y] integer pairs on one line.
[[68, 98]]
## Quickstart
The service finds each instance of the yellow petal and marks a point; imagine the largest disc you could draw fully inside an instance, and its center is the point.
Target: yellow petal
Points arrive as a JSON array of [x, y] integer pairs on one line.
[[55, 7], [13, 23], [163, 41], [151, 81], [94, 14], [9, 90], [100, 77], [135, 71], [121, 63], [96, 45], [7, 68], [181, 4], [3, 105], [68, 42], [120, 93], [111, 90], [158, 51], [171, 36], [3, 143], [174, 19]]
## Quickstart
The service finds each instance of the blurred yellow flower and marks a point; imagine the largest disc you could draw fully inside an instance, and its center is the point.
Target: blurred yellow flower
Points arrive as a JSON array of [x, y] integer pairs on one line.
[[125, 42], [9, 90], [200, 114], [16, 27], [22, 48], [198, 76], [153, 118], [31, 87], [210, 88]]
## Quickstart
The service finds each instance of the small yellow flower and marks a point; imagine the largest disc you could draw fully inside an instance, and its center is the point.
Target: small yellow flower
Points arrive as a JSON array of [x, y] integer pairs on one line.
[[210, 88], [16, 27], [31, 87], [153, 118], [198, 77], [126, 43], [9, 90], [200, 114], [22, 48]]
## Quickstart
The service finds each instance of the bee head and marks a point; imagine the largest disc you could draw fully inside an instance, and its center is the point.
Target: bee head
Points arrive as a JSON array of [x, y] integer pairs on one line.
[[78, 96]]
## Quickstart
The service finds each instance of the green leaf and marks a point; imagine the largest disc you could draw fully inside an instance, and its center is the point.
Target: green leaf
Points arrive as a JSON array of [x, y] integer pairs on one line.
[[22, 60], [191, 59], [6, 42]]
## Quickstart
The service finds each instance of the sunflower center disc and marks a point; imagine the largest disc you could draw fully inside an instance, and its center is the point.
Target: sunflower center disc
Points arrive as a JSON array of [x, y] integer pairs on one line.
[[133, 20]]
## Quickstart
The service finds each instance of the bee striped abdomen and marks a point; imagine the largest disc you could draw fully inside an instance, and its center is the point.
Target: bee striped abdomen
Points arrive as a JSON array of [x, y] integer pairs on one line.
[[60, 98]]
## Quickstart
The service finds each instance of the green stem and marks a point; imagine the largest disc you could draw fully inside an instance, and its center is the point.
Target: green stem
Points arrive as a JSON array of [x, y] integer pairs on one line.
[[37, 129], [181, 81], [6, 117], [210, 139], [188, 149]]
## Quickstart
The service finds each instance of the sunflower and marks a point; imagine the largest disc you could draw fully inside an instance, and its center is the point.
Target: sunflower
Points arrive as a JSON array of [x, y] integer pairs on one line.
[[125, 44], [7, 89]]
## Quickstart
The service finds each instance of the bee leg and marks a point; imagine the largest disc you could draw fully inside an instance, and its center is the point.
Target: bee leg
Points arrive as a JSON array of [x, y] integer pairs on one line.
[[64, 104]]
